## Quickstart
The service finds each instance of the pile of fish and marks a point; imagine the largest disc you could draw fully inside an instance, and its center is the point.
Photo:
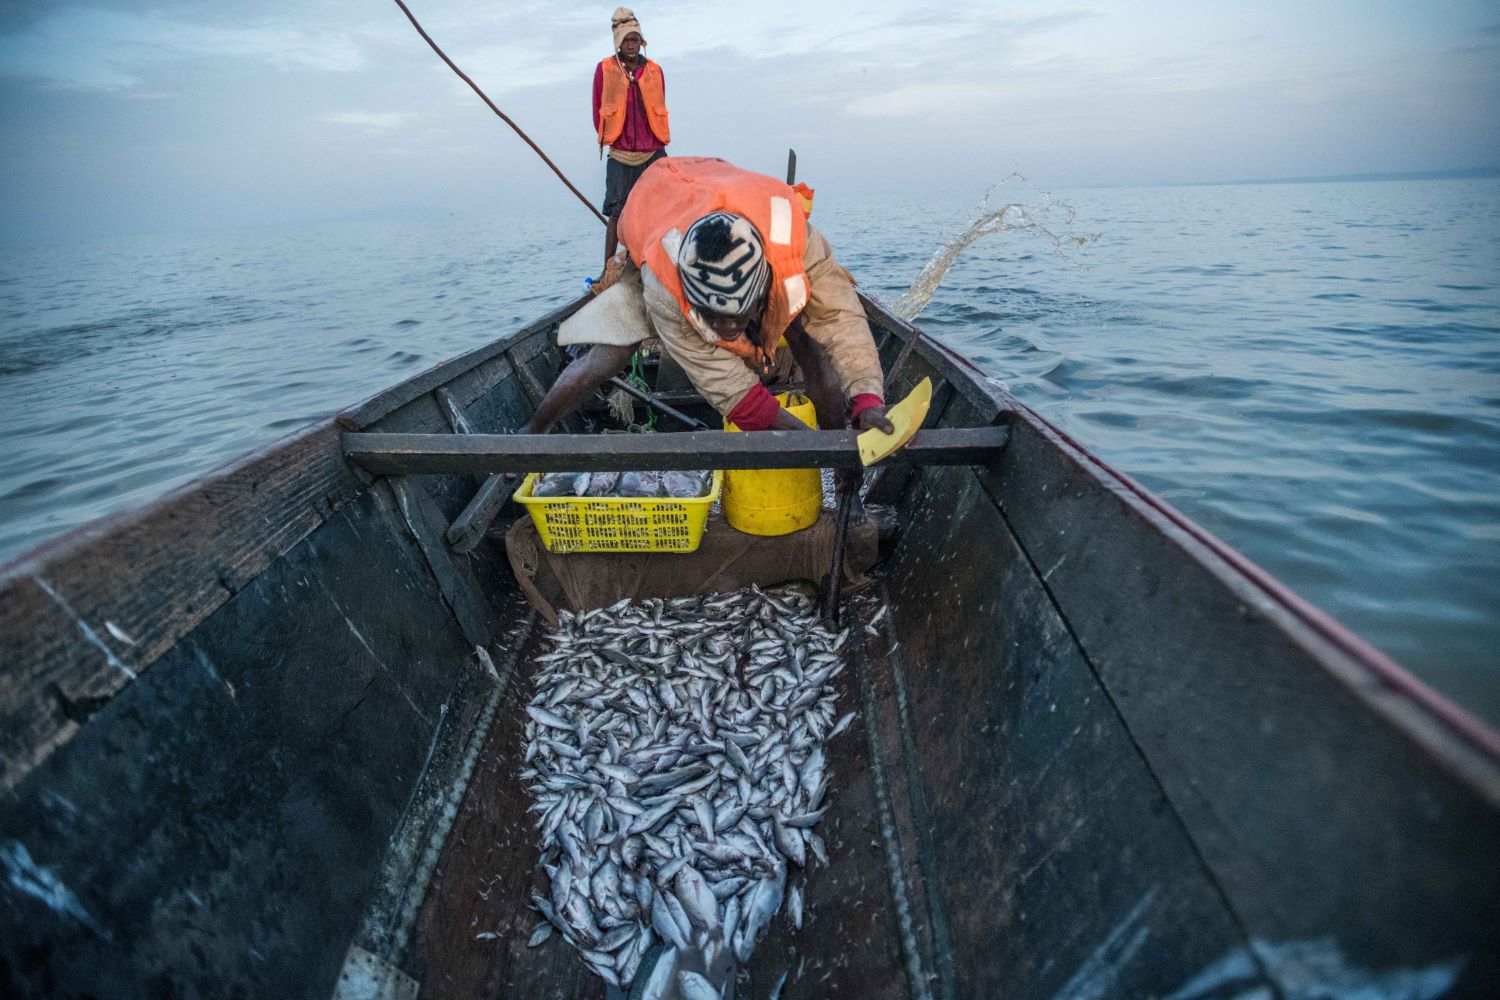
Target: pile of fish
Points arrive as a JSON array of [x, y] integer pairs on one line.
[[681, 485], [674, 755]]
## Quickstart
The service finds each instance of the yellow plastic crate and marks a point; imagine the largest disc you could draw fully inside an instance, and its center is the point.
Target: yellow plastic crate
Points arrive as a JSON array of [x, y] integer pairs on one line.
[[618, 524]]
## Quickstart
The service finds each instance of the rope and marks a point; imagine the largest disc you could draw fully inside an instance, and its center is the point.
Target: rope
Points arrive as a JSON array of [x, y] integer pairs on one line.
[[613, 268], [503, 116]]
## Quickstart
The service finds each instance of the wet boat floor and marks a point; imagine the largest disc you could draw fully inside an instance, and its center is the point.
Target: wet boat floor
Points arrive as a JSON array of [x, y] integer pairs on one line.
[[471, 934]]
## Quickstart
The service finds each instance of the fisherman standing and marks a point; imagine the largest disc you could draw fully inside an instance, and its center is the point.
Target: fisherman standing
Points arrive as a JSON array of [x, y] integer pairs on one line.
[[630, 117]]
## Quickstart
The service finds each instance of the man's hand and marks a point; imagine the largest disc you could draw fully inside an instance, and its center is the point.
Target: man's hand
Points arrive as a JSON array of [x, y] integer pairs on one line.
[[874, 416]]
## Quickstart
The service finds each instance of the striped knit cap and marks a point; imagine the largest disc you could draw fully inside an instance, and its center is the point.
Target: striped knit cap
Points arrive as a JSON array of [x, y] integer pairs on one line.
[[723, 265], [622, 23]]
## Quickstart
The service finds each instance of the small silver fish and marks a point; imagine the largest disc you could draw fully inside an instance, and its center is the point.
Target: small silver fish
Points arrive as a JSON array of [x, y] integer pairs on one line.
[[661, 977], [674, 756], [695, 987], [693, 892]]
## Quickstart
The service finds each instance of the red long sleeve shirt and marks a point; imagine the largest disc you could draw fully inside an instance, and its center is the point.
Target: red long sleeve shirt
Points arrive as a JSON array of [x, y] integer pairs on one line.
[[636, 137]]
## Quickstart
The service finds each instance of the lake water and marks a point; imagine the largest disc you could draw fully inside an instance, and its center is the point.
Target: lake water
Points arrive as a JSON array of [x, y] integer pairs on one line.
[[1311, 371]]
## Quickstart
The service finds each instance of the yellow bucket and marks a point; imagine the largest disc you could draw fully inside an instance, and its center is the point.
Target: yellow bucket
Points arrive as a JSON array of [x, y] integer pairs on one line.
[[774, 501]]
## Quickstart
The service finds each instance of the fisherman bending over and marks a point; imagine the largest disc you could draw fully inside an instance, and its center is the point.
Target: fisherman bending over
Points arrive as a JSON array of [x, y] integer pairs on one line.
[[630, 117], [731, 271]]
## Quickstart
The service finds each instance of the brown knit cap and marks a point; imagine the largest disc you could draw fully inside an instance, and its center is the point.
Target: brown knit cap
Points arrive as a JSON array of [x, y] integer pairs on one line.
[[623, 23]]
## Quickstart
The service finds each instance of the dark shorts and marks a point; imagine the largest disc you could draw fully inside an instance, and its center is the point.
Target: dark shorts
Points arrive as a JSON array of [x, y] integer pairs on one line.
[[619, 179]]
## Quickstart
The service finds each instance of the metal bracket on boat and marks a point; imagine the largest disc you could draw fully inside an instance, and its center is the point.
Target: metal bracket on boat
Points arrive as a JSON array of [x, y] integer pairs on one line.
[[370, 977], [415, 454]]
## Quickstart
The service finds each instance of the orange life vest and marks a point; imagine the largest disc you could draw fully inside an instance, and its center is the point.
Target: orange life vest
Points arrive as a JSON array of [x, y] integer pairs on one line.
[[616, 92], [677, 191]]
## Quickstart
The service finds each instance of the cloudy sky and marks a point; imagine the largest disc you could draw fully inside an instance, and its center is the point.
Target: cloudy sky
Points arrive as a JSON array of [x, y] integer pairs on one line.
[[119, 116]]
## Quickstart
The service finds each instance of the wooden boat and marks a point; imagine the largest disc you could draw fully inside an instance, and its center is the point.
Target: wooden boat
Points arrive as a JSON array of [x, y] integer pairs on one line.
[[259, 740]]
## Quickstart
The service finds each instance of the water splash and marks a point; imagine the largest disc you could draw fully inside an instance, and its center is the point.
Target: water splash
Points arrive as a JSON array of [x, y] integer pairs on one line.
[[1035, 219]]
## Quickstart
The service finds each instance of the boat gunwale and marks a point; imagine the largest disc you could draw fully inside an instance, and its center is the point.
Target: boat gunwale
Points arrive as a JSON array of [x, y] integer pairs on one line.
[[365, 412], [315, 481], [387, 401], [1234, 567], [1388, 672]]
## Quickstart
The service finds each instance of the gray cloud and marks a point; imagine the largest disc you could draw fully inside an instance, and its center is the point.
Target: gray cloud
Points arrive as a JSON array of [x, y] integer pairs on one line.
[[200, 113], [105, 50], [377, 121]]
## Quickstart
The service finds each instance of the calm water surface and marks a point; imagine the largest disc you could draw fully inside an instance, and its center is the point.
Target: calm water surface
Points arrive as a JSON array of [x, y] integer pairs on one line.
[[1311, 371]]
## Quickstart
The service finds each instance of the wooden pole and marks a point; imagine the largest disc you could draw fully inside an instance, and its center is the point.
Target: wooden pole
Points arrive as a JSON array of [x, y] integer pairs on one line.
[[503, 116], [458, 454]]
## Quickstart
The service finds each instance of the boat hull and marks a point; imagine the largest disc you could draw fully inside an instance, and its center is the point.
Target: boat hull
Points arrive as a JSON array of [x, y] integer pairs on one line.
[[1099, 753]]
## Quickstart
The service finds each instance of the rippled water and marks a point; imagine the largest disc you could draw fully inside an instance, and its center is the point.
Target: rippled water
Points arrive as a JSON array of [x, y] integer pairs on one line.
[[1310, 371]]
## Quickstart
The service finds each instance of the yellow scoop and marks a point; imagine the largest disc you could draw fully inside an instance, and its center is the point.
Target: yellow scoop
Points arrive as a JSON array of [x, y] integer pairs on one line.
[[907, 415]]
